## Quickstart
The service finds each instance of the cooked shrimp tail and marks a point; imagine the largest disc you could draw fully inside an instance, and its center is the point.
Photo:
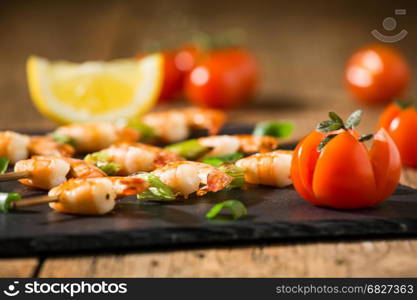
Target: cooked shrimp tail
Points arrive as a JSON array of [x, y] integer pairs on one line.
[[187, 177], [205, 118], [128, 158], [93, 196], [271, 168], [175, 125], [47, 146]]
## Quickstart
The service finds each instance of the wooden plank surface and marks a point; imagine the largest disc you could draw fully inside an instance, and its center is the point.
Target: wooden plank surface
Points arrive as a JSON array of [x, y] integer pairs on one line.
[[19, 267], [302, 71], [359, 259]]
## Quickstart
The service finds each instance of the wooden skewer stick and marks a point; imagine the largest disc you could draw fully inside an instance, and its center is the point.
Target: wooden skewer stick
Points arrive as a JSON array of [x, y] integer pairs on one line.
[[36, 200], [11, 176]]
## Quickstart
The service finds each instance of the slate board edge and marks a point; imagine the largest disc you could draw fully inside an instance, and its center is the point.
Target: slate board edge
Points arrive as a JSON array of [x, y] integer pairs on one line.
[[240, 233]]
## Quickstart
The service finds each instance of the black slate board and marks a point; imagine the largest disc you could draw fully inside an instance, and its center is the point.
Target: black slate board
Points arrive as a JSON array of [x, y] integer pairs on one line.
[[275, 215]]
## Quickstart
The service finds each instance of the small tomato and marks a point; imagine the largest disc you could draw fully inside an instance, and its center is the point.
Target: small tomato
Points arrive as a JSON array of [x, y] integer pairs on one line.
[[401, 123], [377, 74], [343, 173], [224, 79]]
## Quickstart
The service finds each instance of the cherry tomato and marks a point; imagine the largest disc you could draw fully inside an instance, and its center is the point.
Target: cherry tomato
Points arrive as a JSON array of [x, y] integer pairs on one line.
[[377, 74], [177, 63], [401, 124], [345, 175], [224, 79], [187, 57], [173, 78]]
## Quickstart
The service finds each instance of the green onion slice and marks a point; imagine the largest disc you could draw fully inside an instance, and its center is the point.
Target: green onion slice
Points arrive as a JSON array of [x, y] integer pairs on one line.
[[274, 129], [157, 191], [146, 131], [63, 139], [236, 173], [220, 160], [190, 149], [6, 200], [236, 208], [4, 163], [101, 161]]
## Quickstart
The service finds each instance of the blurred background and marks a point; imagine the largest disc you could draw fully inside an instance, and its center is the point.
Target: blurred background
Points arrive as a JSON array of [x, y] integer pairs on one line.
[[302, 46]]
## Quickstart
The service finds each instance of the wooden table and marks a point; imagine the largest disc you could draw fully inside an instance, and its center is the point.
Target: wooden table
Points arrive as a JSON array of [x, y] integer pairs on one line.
[[302, 49]]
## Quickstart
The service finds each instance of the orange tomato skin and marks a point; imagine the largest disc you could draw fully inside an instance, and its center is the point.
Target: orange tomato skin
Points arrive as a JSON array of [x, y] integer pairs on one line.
[[224, 79], [401, 124], [386, 163], [345, 175], [377, 74], [303, 164]]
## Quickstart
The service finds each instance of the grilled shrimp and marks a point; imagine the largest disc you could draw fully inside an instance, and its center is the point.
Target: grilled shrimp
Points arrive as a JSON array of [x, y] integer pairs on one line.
[[83, 169], [93, 196], [46, 146], [91, 137], [272, 168], [137, 157], [187, 177], [205, 118], [13, 146], [244, 143], [44, 172], [176, 124]]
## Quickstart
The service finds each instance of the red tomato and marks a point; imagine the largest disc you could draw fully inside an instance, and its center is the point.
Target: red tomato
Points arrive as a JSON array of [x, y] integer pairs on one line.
[[377, 74], [345, 175], [401, 124], [224, 79], [173, 78], [187, 56]]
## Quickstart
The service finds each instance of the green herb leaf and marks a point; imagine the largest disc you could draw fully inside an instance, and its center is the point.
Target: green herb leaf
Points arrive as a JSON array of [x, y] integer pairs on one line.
[[274, 129], [220, 160], [145, 131], [190, 149], [63, 139], [354, 119], [110, 168], [402, 104], [365, 137], [325, 141], [236, 173], [157, 191], [101, 161], [6, 200], [4, 163], [236, 208], [335, 118], [328, 126]]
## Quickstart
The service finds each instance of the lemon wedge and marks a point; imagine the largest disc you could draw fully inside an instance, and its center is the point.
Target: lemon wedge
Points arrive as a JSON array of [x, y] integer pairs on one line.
[[95, 91]]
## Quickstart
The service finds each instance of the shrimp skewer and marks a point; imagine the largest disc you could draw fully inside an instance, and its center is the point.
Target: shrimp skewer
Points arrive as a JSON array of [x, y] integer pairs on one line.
[[176, 124], [220, 145], [46, 172], [88, 196], [134, 157], [91, 137], [272, 168], [186, 177], [46, 146], [16, 146]]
